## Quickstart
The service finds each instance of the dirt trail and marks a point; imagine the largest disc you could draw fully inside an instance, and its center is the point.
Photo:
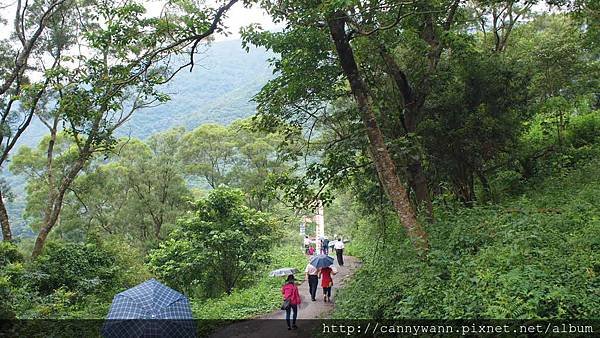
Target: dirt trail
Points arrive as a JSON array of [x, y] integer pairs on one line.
[[274, 325]]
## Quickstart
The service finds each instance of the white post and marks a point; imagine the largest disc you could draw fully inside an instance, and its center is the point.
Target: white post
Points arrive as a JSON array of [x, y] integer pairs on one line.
[[320, 222]]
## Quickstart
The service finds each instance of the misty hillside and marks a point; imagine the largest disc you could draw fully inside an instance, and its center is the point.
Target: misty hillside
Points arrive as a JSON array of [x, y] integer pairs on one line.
[[219, 89]]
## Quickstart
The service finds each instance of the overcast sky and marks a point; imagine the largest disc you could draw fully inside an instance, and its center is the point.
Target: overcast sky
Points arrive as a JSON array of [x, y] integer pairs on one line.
[[237, 17]]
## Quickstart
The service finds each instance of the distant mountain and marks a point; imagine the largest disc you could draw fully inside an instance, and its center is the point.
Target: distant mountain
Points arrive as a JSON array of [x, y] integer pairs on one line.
[[218, 90]]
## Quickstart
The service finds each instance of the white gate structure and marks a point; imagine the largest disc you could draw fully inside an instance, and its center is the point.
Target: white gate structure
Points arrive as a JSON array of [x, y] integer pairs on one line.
[[319, 219]]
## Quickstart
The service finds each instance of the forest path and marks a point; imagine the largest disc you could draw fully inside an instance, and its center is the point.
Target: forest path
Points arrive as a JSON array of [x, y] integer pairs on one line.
[[274, 325]]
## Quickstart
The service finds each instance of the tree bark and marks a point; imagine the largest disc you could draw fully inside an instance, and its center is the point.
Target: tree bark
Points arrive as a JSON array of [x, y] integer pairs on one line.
[[487, 189], [52, 215], [416, 175], [464, 185], [6, 232], [384, 164]]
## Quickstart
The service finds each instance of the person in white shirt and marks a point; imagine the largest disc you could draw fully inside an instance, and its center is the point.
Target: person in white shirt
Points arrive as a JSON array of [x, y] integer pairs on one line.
[[339, 250], [306, 244], [312, 274]]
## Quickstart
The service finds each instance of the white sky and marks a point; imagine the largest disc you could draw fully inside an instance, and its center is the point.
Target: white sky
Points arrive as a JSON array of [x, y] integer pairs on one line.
[[237, 17]]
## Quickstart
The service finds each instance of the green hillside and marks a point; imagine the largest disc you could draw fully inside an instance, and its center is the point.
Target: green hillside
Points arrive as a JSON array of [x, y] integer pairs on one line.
[[218, 90]]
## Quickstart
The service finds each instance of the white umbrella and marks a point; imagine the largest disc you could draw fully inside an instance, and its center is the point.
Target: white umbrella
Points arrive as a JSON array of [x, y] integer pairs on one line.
[[283, 272]]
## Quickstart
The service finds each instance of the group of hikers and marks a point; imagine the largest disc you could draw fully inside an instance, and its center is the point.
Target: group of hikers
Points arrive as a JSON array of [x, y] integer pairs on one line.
[[338, 245], [291, 295]]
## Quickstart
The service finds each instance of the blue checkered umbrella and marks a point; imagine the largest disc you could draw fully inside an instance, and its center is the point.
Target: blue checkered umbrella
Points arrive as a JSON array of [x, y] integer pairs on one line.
[[150, 309]]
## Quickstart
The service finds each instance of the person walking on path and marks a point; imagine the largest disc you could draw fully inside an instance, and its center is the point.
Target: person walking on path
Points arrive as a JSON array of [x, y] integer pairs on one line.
[[312, 274], [290, 291], [325, 246], [339, 250], [327, 281], [306, 244]]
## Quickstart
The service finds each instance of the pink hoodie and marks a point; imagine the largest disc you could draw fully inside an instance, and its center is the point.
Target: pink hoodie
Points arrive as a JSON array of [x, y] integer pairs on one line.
[[290, 290]]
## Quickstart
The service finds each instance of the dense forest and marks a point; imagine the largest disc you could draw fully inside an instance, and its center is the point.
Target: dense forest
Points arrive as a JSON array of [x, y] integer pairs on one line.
[[455, 144]]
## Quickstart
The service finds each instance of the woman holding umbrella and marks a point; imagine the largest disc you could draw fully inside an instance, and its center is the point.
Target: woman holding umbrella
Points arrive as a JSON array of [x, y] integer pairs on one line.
[[325, 274], [324, 263], [291, 299]]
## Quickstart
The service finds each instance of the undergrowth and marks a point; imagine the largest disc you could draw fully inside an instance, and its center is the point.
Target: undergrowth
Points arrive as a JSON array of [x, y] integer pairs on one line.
[[536, 255]]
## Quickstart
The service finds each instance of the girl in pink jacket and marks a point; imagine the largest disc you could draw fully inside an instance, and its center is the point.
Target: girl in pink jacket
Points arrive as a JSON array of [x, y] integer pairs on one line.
[[290, 291]]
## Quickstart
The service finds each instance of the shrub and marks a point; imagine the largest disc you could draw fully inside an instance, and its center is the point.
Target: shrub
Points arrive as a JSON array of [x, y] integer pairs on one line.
[[6, 299], [9, 253], [507, 182], [84, 268], [584, 129]]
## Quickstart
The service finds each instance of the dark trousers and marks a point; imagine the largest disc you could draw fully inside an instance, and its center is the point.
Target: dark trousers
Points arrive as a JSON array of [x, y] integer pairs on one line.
[[313, 282], [340, 256], [327, 292], [287, 314]]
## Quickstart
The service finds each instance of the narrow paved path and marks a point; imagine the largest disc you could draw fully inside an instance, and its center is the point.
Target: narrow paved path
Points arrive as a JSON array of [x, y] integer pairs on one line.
[[274, 325]]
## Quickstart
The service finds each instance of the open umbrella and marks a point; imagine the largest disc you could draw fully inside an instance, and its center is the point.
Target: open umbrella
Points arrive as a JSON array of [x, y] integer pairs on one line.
[[150, 309], [283, 272], [321, 261]]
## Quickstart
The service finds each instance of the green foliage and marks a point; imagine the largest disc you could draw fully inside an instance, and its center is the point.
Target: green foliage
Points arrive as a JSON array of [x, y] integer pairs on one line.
[[33, 163], [520, 119], [70, 280], [507, 182], [538, 155], [262, 297], [472, 118], [217, 247], [584, 129], [139, 193], [9, 253], [532, 257], [208, 153], [84, 268], [6, 300], [237, 155]]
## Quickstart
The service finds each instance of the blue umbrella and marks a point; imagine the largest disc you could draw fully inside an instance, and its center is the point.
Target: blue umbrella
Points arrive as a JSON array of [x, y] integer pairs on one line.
[[321, 261], [150, 309]]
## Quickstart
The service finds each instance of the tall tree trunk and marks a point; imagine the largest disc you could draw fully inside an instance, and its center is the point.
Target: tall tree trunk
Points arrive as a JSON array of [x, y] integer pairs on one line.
[[384, 164], [6, 232], [418, 182], [51, 216], [415, 168], [561, 128], [464, 185], [485, 184], [416, 176]]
